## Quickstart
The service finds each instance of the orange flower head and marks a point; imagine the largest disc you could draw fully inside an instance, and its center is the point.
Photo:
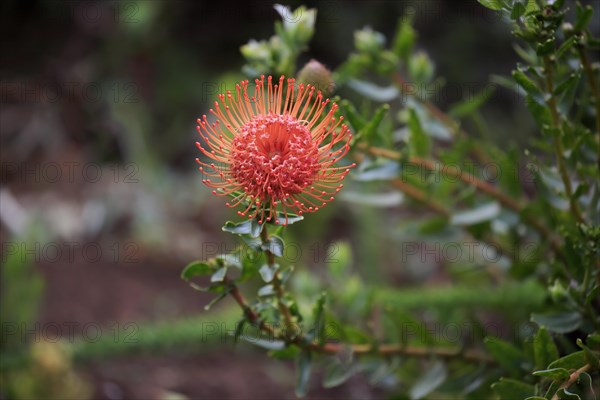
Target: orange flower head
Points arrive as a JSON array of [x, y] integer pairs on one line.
[[276, 151]]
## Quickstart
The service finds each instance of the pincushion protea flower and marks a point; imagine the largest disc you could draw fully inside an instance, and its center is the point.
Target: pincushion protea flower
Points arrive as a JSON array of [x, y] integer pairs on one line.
[[273, 151]]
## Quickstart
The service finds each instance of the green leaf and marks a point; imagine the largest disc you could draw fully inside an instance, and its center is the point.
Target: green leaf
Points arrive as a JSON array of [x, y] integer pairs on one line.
[[419, 141], [230, 260], [570, 361], [558, 322], [303, 366], [249, 227], [269, 344], [380, 200], [495, 5], [593, 340], [560, 374], [370, 128], [545, 48], [508, 356], [337, 373], [568, 83], [583, 17], [510, 389], [591, 357], [378, 171], [274, 245], [267, 290], [267, 273], [290, 219], [544, 349], [239, 329], [481, 213], [196, 268], [518, 10], [216, 300], [529, 86], [472, 104], [374, 92], [219, 275], [564, 47], [405, 39], [433, 378], [318, 315], [349, 111]]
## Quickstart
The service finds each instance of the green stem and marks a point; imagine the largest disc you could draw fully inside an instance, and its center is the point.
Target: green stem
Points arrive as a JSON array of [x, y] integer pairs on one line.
[[587, 67], [558, 147], [277, 284], [382, 349]]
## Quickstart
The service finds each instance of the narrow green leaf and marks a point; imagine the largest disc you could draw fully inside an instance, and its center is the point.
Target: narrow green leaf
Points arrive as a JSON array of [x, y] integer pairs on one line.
[[508, 356], [380, 200], [564, 47], [560, 374], [318, 315], [380, 171], [336, 373], [196, 268], [510, 389], [570, 361], [290, 219], [433, 378], [249, 227], [303, 366], [418, 140], [591, 356], [374, 92], [219, 275], [566, 84], [529, 86], [356, 120], [274, 245], [472, 104], [405, 38], [269, 344], [545, 350], [479, 214], [370, 129], [558, 322], [583, 17], [239, 329], [545, 48], [518, 10], [593, 340], [216, 300], [495, 5]]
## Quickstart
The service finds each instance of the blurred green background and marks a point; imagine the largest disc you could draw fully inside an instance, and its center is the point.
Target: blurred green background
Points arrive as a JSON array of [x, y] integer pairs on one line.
[[102, 203]]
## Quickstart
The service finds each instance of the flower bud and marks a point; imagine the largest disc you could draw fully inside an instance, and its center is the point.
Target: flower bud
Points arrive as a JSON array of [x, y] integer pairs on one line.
[[369, 41], [319, 76], [421, 68]]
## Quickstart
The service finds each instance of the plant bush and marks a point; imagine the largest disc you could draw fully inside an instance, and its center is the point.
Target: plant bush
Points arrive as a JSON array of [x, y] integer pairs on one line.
[[520, 318]]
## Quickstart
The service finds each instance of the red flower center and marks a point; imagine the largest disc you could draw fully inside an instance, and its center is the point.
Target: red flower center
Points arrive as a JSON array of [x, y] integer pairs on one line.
[[274, 156]]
